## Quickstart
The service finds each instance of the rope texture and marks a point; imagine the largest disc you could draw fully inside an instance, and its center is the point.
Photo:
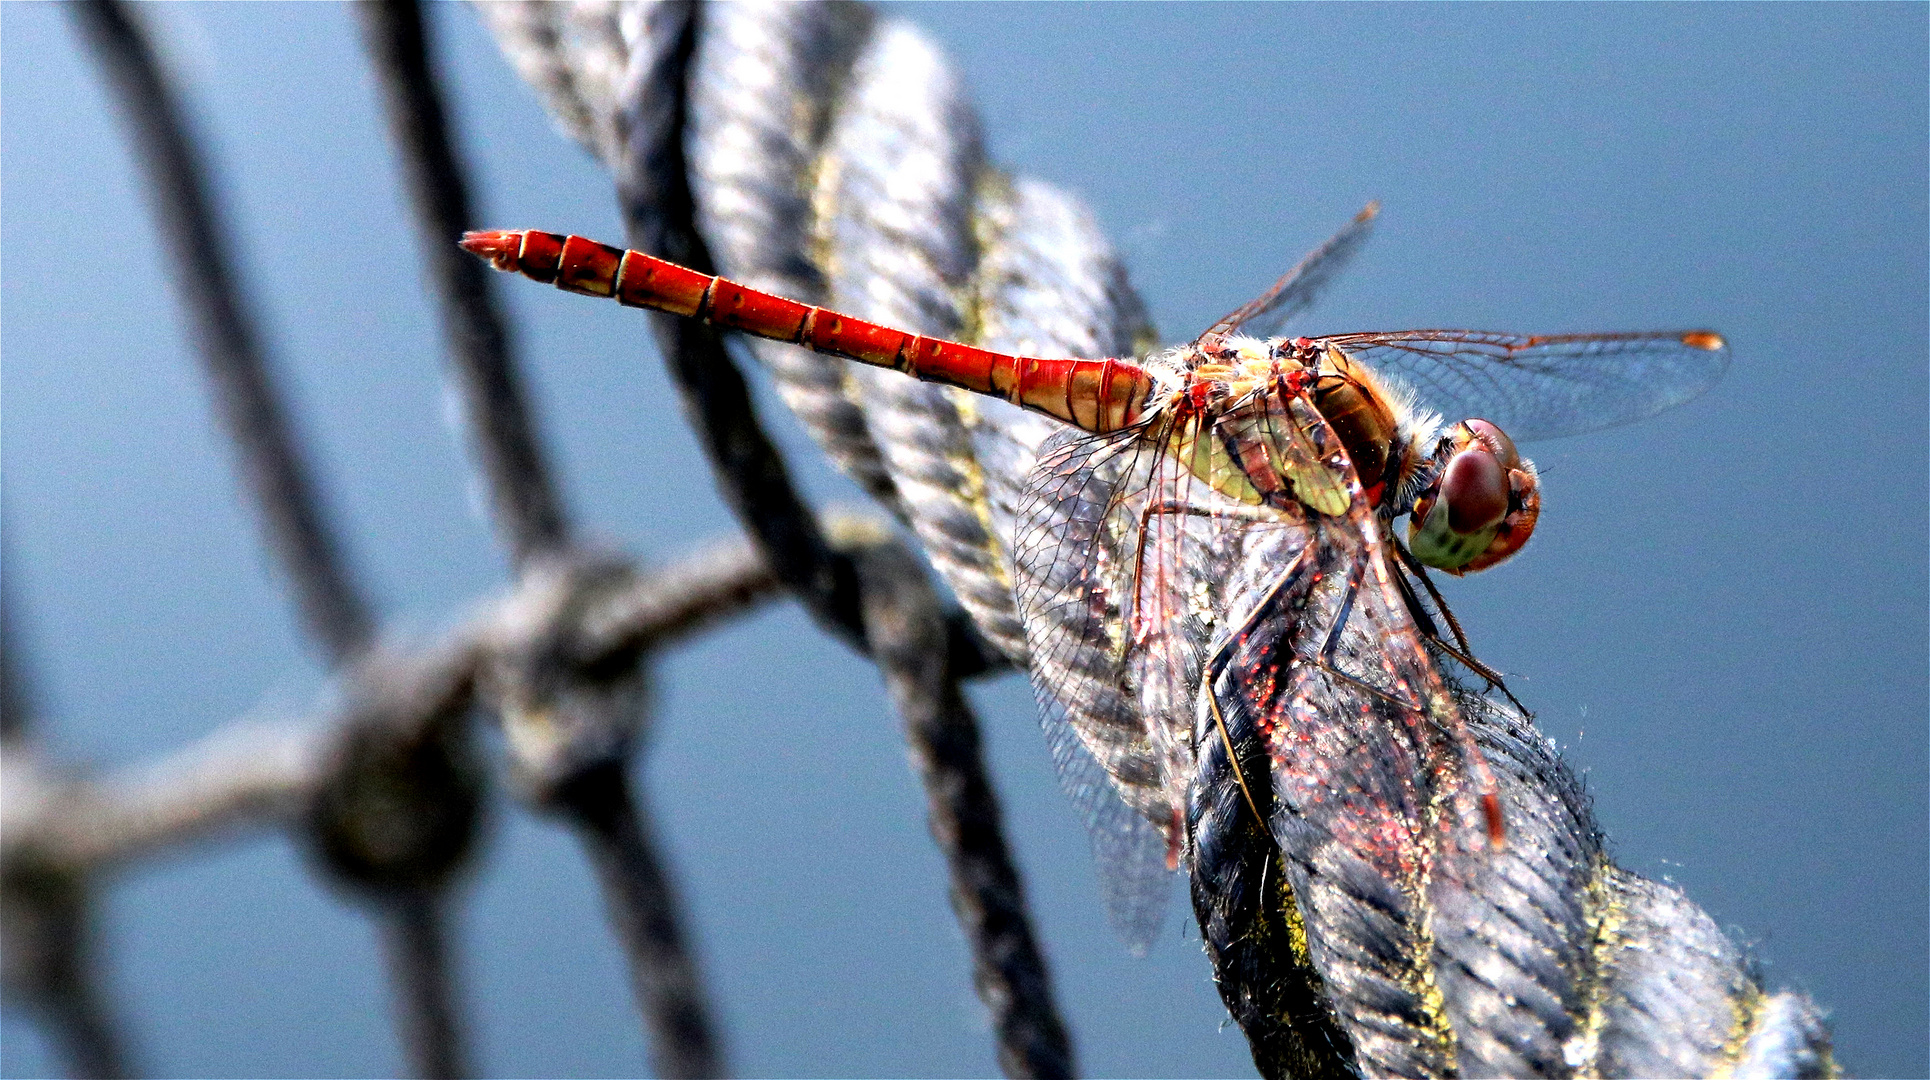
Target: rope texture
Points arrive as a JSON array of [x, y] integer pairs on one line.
[[833, 159], [882, 601]]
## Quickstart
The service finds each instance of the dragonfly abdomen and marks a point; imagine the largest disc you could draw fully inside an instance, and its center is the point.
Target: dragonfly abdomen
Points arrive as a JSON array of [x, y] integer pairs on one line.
[[1099, 396]]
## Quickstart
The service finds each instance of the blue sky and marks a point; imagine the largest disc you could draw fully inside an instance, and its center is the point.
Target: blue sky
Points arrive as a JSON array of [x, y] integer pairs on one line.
[[1722, 617]]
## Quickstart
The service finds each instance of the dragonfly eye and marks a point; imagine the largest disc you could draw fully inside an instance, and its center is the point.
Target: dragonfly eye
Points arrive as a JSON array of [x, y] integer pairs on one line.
[[1495, 440], [1481, 508], [1474, 489]]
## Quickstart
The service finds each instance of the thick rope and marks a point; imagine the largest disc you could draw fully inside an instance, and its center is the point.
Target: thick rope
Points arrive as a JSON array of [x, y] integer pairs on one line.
[[894, 613], [833, 158]]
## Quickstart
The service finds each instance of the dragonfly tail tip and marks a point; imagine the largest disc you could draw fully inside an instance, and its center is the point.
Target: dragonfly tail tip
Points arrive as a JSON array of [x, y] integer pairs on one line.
[[498, 247]]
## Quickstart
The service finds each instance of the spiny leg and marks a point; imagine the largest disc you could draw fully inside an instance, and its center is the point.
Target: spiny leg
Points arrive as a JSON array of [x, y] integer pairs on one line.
[[1465, 654], [1458, 731], [1423, 615], [1433, 638], [1424, 622], [1181, 508], [1216, 666], [1356, 572]]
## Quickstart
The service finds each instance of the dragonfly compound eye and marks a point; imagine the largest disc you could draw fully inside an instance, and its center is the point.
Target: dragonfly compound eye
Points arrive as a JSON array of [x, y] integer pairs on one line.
[[1483, 506], [1496, 440]]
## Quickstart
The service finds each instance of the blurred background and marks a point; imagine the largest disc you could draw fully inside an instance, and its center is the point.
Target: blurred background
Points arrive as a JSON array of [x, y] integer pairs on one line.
[[1722, 618]]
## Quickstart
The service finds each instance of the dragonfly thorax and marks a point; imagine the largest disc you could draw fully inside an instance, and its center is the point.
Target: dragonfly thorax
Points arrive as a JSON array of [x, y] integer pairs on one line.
[[1472, 500], [1387, 438], [1281, 422], [1363, 414]]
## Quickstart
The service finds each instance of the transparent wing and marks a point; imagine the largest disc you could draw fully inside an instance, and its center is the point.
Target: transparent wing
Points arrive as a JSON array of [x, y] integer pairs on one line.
[[1548, 385], [1373, 786], [1299, 287], [1117, 553], [1071, 598]]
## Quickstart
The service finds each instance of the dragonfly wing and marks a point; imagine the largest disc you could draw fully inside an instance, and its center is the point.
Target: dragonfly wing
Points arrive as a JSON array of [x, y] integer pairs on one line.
[[1135, 883], [1541, 387], [1299, 287], [1116, 556], [1048, 285], [1071, 597], [1373, 788]]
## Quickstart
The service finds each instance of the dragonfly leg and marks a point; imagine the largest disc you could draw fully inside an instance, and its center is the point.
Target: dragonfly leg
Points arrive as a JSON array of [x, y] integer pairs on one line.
[[1223, 656], [1464, 655], [1457, 730], [1325, 659], [1182, 508]]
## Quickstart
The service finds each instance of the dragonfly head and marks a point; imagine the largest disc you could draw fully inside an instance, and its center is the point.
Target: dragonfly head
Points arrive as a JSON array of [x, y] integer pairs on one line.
[[1481, 505]]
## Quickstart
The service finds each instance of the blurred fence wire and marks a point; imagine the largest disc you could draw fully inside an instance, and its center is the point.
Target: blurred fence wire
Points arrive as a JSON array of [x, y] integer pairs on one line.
[[825, 152]]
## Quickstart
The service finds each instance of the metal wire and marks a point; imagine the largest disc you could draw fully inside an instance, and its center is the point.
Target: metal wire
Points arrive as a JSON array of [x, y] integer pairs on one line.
[[831, 157]]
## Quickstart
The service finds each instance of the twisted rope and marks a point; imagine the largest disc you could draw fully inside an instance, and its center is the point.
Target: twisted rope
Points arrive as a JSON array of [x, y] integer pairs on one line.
[[570, 730], [46, 918], [833, 158], [249, 775], [896, 615]]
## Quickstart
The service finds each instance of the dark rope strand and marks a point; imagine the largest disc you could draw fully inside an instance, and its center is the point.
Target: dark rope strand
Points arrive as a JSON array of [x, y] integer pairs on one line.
[[49, 923], [660, 218], [528, 507], [659, 211], [297, 528], [419, 962], [643, 909], [230, 344], [988, 895]]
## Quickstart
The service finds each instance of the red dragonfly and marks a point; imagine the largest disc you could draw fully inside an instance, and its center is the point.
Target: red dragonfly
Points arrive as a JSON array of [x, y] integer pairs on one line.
[[1206, 551]]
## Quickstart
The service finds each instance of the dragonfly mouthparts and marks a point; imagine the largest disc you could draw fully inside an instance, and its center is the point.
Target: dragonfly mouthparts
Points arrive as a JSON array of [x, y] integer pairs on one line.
[[497, 246]]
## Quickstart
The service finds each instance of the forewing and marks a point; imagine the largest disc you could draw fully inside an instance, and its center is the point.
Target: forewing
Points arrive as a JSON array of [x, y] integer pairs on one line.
[[1549, 385], [1299, 287], [1048, 285], [1372, 784]]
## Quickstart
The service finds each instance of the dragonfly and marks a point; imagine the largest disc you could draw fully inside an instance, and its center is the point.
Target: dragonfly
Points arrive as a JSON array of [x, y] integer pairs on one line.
[[1207, 547]]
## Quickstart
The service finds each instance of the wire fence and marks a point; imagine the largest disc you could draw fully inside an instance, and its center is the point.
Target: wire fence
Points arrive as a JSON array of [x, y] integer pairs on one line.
[[825, 152]]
